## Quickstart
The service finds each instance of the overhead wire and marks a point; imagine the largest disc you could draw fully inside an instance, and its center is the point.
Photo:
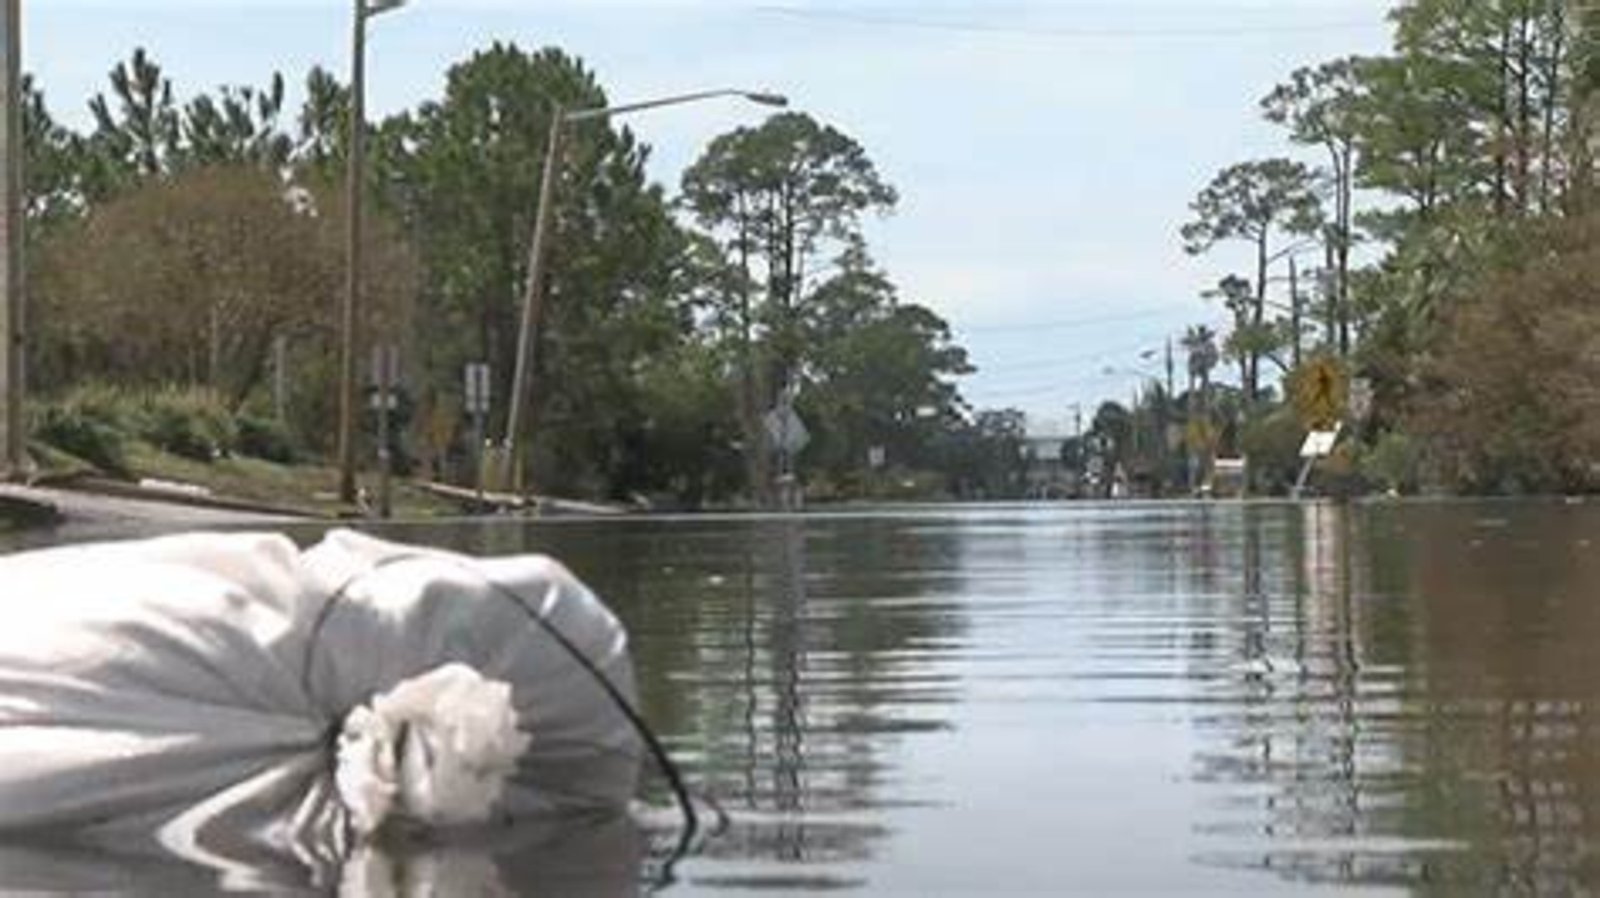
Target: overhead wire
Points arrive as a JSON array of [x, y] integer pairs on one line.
[[1068, 323], [1076, 359], [883, 20]]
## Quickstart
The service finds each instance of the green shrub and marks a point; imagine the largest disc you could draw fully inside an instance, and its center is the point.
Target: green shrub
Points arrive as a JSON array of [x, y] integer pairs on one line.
[[84, 432], [265, 439], [1393, 462], [1272, 442], [188, 423]]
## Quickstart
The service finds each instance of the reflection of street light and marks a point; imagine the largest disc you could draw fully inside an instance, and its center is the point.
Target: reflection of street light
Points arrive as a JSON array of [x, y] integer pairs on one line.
[[532, 298], [357, 123]]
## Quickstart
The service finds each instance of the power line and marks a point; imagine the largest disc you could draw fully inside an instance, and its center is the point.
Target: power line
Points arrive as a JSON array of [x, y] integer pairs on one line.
[[880, 20], [1069, 323], [984, 397], [1074, 359], [1055, 385]]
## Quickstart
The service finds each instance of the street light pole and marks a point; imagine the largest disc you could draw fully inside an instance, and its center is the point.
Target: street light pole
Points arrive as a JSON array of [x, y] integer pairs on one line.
[[532, 300], [355, 174], [533, 286], [13, 436]]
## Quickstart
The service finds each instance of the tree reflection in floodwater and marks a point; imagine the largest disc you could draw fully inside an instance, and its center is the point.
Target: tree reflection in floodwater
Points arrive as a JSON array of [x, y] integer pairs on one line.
[[782, 659], [1410, 694], [1220, 696]]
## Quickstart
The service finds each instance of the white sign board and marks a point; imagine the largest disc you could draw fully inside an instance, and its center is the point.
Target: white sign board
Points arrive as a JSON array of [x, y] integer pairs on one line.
[[787, 431], [1361, 397], [477, 380], [385, 366], [1319, 443], [1229, 466]]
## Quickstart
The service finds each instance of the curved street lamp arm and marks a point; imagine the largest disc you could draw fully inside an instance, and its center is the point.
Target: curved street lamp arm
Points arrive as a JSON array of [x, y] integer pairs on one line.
[[765, 99], [368, 9]]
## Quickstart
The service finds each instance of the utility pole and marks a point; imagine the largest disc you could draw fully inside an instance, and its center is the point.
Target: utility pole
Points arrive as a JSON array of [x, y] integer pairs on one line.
[[280, 379], [1170, 385], [1167, 423], [354, 172], [532, 305], [13, 438], [355, 177], [514, 448], [1294, 307]]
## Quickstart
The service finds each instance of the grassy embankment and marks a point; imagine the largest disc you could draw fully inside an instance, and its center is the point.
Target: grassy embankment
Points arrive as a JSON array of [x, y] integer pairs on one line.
[[187, 437]]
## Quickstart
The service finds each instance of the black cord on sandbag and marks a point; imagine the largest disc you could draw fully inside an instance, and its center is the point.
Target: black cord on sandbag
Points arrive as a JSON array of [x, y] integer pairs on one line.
[[658, 751]]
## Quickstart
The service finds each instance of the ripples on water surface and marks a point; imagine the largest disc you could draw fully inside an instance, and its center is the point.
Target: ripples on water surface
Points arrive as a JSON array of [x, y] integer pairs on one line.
[[1161, 698]]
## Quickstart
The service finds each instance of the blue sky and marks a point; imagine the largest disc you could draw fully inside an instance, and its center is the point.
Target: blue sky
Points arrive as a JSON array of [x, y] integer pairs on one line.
[[1045, 151]]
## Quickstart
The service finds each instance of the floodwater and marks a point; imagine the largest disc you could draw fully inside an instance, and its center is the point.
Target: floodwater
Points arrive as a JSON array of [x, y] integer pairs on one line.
[[1087, 699]]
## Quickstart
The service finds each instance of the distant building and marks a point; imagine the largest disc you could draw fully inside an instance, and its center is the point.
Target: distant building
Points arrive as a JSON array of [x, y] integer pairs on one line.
[[1048, 477]]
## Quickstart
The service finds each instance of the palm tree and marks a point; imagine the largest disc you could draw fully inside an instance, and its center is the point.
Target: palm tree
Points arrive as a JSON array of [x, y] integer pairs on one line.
[[1200, 344]]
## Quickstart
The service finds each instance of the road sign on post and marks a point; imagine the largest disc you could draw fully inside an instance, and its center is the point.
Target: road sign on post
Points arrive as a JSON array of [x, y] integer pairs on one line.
[[1361, 397], [789, 437], [1320, 392], [477, 388], [788, 432], [1318, 444]]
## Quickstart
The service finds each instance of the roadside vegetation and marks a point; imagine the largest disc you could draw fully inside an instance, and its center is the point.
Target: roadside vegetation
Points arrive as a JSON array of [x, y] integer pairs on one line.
[[1420, 269], [1425, 251], [186, 265], [176, 440]]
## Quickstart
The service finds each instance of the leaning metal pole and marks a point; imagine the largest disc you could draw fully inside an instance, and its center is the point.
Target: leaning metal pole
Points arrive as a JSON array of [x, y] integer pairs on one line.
[[532, 303], [13, 438]]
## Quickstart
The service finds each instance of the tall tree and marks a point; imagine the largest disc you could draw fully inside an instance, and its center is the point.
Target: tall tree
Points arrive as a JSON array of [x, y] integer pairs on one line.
[[1200, 350], [323, 128], [188, 280], [780, 199], [1255, 202], [1320, 105], [239, 125], [463, 171], [140, 135], [50, 161], [882, 374]]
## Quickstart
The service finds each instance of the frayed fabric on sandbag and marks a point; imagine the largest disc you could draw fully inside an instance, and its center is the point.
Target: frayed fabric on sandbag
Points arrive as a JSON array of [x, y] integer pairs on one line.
[[203, 689]]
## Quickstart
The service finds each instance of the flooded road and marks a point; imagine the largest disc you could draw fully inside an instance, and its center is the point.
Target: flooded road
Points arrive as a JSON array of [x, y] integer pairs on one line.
[[1206, 699]]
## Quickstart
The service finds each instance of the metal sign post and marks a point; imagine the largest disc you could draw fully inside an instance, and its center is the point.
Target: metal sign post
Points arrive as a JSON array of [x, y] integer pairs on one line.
[[385, 376], [789, 438], [478, 396], [1318, 444]]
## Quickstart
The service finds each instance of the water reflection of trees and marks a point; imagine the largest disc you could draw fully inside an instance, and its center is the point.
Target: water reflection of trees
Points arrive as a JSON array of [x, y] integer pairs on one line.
[[1295, 709], [783, 659], [1404, 695], [1508, 625]]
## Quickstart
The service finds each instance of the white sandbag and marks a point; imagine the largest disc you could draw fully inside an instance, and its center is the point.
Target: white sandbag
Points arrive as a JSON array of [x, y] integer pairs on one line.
[[437, 749], [203, 687]]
